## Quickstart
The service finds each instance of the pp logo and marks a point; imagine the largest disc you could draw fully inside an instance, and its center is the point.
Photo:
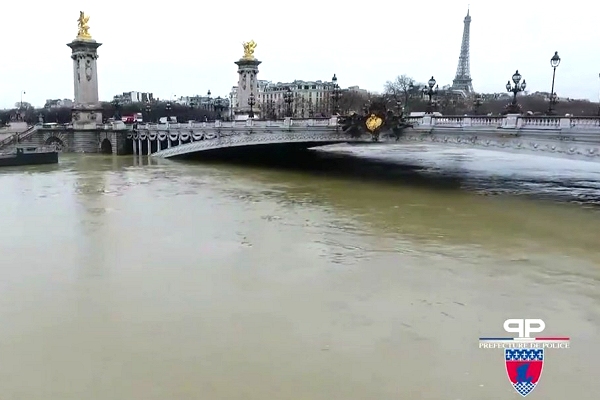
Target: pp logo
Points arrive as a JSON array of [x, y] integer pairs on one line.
[[524, 355]]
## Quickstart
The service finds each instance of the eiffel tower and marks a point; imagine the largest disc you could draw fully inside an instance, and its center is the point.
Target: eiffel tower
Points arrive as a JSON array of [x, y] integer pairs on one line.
[[463, 81]]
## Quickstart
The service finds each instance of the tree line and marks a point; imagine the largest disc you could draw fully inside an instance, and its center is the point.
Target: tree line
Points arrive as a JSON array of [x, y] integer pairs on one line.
[[402, 94], [406, 91]]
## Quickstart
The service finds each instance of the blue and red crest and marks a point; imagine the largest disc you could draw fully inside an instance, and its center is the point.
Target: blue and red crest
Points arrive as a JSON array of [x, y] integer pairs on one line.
[[524, 368]]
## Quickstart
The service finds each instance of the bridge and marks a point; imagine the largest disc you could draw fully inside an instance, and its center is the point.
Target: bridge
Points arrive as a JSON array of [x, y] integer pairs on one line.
[[568, 136]]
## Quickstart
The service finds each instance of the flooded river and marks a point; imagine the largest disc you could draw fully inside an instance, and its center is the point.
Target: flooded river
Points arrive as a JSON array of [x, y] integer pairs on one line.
[[318, 278]]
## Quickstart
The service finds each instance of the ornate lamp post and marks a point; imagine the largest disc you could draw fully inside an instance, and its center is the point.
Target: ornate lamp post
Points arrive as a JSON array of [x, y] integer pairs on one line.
[[478, 102], [218, 107], [554, 62], [518, 87], [208, 100], [430, 92], [288, 98], [335, 95], [251, 103], [148, 111], [408, 96], [168, 110]]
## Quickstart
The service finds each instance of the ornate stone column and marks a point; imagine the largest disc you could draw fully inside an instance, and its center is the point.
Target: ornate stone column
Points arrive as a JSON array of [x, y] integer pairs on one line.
[[87, 109], [247, 82]]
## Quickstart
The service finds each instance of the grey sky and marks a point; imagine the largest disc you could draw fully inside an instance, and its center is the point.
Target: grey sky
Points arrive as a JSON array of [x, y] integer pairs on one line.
[[188, 47]]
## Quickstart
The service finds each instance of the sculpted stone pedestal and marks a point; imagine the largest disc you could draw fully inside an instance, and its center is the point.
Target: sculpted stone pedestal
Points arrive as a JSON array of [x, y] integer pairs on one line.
[[87, 111], [247, 84]]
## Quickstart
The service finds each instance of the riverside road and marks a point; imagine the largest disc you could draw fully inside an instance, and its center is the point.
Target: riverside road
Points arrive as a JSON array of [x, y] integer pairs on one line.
[[322, 278]]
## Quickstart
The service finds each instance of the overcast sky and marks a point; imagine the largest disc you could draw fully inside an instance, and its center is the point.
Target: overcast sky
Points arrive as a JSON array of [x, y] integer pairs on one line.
[[188, 47]]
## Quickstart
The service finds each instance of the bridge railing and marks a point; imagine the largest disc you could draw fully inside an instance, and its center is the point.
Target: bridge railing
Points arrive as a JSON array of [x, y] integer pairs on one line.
[[508, 122], [585, 122], [521, 122], [281, 123]]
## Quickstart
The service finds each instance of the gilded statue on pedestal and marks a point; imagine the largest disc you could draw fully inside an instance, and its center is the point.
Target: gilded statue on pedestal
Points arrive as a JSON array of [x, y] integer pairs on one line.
[[249, 50], [84, 28]]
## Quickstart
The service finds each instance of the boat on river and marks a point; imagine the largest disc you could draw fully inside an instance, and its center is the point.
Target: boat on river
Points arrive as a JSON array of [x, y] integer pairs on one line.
[[29, 155]]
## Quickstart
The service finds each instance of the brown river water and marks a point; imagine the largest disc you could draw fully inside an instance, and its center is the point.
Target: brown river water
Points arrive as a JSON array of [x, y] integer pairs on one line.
[[321, 278]]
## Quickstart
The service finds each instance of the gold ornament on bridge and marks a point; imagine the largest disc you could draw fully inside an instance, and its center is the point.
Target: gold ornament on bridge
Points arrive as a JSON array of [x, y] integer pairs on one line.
[[249, 50], [84, 28], [373, 123]]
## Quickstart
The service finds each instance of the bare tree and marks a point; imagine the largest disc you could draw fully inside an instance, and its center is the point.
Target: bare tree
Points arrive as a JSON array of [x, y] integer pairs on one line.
[[352, 101], [400, 90], [23, 105]]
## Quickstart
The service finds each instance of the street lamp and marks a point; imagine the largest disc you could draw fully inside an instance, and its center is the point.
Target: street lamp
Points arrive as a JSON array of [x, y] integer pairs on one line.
[[251, 103], [335, 95], [554, 62], [478, 102], [288, 98], [516, 88], [430, 92], [148, 111], [168, 110], [399, 107], [218, 107]]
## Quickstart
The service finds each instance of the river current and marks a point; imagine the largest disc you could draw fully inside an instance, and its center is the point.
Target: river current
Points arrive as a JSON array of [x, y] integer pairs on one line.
[[321, 277]]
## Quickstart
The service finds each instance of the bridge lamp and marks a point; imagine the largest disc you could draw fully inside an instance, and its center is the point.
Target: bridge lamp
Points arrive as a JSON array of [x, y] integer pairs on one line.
[[431, 82], [288, 97], [148, 110], [518, 87], [430, 92], [516, 78], [335, 94], [208, 100], [554, 62]]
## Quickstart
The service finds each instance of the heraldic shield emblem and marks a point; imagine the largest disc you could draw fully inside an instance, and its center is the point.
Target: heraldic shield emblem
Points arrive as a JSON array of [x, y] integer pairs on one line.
[[524, 368]]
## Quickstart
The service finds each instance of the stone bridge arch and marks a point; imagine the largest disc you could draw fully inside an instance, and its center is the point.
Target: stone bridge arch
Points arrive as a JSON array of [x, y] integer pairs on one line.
[[56, 139], [302, 140], [106, 146]]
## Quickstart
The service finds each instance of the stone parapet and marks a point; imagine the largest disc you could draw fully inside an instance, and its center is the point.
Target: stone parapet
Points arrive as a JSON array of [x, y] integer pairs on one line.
[[70, 139], [426, 122]]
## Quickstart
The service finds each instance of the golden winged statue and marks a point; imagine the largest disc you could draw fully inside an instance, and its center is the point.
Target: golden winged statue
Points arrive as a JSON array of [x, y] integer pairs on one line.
[[84, 28], [249, 50], [373, 123]]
